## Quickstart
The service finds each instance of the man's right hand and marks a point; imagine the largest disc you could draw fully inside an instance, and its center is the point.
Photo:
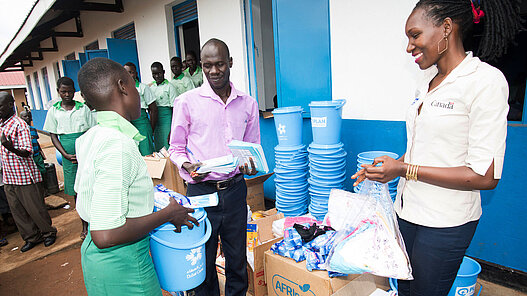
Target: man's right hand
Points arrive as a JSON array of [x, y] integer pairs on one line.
[[191, 168], [180, 215]]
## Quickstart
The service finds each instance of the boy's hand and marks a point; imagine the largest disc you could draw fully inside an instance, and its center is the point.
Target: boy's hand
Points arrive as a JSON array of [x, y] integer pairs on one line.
[[71, 157], [244, 169], [180, 215]]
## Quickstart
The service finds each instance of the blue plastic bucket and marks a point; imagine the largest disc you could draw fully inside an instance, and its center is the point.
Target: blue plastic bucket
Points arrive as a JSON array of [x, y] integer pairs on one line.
[[326, 121], [367, 157], [465, 282], [179, 263], [58, 156], [166, 231], [288, 124]]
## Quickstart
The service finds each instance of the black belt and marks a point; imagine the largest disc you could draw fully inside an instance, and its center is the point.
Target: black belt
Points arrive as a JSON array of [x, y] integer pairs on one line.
[[224, 184]]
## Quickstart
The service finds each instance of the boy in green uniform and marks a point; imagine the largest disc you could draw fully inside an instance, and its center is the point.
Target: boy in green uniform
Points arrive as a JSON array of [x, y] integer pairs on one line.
[[116, 194], [66, 121], [180, 81], [193, 70], [165, 94], [144, 125]]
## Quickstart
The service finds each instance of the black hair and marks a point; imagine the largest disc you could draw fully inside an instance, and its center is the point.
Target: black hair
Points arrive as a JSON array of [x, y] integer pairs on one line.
[[178, 59], [192, 53], [157, 65], [502, 21], [8, 96], [131, 65], [97, 78], [66, 81], [218, 42]]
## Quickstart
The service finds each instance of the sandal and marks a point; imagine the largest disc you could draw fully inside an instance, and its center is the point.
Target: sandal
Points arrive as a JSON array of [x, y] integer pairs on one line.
[[84, 234]]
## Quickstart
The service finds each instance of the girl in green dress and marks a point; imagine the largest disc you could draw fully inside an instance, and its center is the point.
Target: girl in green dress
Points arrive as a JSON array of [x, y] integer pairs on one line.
[[115, 191], [165, 94], [67, 120]]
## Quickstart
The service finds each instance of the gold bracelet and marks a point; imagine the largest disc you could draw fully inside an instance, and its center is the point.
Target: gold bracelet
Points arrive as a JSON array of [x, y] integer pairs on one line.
[[415, 174], [408, 166], [411, 172]]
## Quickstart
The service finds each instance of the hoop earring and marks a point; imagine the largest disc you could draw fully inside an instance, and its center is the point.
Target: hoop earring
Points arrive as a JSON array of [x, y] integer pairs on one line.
[[440, 52]]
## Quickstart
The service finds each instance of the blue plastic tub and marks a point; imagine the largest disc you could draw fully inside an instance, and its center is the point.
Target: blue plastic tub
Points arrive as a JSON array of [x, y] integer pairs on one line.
[[326, 121], [367, 157], [179, 262], [288, 124], [465, 282]]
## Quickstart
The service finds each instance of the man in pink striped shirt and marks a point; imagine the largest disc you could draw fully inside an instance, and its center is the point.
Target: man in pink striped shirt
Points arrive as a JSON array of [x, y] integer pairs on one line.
[[204, 121]]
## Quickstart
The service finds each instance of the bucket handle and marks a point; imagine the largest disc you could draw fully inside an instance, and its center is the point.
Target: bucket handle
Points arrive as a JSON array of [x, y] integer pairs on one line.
[[480, 288], [341, 102], [202, 241]]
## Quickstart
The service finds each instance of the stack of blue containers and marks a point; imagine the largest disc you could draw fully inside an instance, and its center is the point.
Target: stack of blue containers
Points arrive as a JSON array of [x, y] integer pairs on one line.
[[291, 171], [327, 157], [367, 158]]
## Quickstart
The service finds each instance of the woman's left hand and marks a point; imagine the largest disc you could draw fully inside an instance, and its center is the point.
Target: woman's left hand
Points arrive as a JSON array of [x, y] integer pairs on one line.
[[389, 170]]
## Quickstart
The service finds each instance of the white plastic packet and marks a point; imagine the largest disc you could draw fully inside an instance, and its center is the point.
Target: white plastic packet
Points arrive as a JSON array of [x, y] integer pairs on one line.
[[368, 239]]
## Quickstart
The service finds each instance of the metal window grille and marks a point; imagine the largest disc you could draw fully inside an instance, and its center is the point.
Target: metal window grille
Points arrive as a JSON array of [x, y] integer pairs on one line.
[[92, 46], [185, 12], [126, 32]]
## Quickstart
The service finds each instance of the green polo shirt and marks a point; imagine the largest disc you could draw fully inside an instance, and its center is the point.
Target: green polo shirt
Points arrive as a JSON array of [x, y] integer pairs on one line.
[[112, 181], [146, 95], [61, 121], [197, 77], [182, 84], [165, 93]]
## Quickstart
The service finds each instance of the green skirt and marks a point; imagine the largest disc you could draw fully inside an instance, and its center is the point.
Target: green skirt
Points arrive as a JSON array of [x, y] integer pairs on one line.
[[121, 270], [70, 169], [39, 161], [164, 122], [146, 147]]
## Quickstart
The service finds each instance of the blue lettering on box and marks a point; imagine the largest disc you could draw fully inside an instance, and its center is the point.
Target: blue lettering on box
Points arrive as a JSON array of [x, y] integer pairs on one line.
[[286, 287]]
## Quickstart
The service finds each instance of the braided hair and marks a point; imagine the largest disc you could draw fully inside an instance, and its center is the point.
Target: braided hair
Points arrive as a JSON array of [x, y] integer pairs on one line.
[[502, 22]]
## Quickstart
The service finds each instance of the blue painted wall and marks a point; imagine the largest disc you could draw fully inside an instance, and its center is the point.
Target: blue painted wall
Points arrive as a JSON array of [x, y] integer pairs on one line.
[[39, 116], [501, 236]]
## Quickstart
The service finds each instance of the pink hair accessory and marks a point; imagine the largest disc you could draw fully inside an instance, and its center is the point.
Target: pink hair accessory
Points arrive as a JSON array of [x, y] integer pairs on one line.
[[477, 12]]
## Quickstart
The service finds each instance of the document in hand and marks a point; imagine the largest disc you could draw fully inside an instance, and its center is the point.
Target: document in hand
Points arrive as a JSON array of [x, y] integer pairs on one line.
[[245, 150], [223, 165]]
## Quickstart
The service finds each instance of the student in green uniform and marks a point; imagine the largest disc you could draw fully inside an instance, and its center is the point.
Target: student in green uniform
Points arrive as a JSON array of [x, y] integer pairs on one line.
[[116, 194], [193, 70], [144, 125], [179, 80], [165, 94], [67, 120]]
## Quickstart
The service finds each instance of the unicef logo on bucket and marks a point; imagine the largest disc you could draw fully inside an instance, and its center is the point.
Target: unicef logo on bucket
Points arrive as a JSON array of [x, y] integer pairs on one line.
[[285, 287], [281, 129], [194, 256], [465, 291], [319, 121]]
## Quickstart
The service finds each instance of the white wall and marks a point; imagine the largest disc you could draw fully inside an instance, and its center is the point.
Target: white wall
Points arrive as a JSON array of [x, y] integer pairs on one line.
[[370, 66], [224, 20]]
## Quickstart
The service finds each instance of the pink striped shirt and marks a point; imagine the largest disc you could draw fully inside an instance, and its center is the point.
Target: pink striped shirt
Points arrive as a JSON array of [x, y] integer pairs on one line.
[[204, 124]]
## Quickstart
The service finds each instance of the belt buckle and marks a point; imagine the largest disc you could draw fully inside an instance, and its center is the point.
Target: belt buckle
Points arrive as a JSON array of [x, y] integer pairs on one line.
[[222, 185]]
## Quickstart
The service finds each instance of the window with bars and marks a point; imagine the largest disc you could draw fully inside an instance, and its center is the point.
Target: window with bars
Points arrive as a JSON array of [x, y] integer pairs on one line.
[[92, 46], [70, 57], [126, 32]]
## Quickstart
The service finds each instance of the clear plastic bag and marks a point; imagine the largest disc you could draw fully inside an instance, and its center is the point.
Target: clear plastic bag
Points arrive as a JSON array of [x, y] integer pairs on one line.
[[369, 240]]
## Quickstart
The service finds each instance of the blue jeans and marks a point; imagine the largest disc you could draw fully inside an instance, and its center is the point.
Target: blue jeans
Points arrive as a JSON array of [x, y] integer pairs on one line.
[[229, 221], [435, 255]]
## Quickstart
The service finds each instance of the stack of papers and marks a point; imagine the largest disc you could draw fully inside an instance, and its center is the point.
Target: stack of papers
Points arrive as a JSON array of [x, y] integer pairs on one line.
[[222, 165], [244, 150]]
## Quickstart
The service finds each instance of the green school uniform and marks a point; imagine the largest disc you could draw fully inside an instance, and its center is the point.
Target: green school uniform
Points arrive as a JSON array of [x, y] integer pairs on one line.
[[197, 77], [165, 94], [182, 84], [69, 125], [113, 184], [146, 147]]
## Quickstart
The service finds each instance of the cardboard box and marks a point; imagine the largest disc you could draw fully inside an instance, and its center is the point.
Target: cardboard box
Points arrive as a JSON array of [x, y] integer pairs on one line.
[[163, 171], [285, 277], [257, 284], [255, 192]]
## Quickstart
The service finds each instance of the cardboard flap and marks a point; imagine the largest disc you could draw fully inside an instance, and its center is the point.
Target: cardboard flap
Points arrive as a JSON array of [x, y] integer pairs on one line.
[[361, 286], [155, 166], [265, 227], [257, 180]]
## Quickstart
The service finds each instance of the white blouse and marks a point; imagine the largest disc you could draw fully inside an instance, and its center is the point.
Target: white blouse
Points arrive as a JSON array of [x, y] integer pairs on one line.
[[463, 122]]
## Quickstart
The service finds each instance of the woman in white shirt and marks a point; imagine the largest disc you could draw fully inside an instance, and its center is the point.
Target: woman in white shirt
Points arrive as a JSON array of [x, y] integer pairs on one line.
[[456, 129]]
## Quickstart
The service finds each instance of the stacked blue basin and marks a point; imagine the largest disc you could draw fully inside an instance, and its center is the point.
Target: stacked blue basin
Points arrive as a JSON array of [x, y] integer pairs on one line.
[[327, 157], [291, 171], [367, 157]]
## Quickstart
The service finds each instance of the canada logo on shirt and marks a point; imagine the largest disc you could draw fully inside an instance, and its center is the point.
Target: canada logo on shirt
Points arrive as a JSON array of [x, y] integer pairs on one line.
[[449, 105]]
